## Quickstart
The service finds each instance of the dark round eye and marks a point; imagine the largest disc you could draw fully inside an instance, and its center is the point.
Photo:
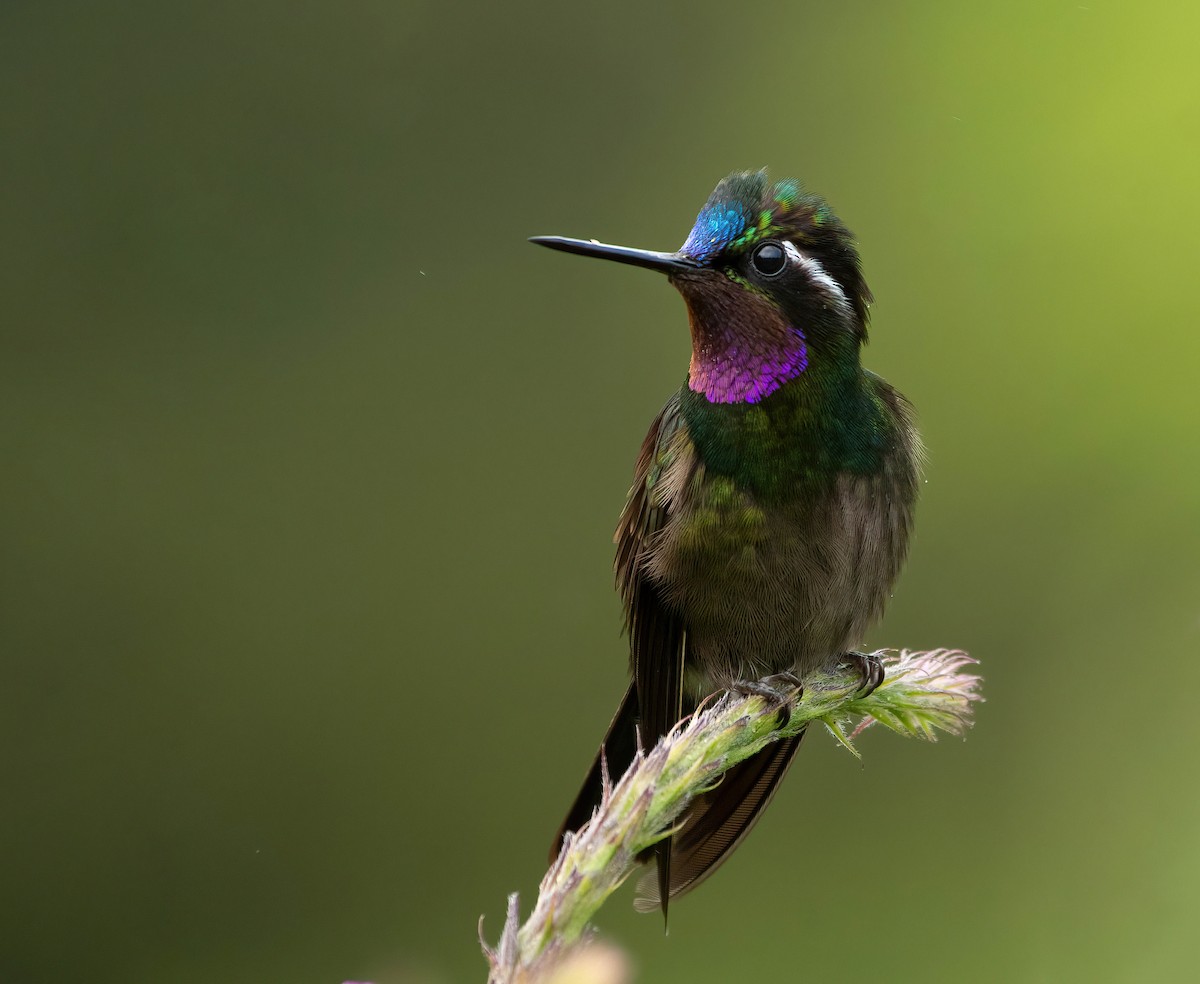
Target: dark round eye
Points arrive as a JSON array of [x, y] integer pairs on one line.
[[769, 259]]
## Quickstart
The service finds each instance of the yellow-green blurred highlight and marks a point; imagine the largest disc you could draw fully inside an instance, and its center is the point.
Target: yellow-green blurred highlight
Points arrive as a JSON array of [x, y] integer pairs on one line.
[[310, 465]]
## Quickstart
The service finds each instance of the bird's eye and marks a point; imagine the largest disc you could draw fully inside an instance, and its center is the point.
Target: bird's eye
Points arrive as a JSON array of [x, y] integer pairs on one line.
[[769, 259]]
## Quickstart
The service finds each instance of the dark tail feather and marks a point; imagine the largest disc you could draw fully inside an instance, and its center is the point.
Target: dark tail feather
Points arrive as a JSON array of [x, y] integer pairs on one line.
[[663, 851], [717, 823], [618, 748]]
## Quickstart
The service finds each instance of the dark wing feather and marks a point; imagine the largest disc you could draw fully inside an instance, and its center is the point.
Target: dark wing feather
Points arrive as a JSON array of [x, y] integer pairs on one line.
[[654, 702], [656, 636], [657, 639]]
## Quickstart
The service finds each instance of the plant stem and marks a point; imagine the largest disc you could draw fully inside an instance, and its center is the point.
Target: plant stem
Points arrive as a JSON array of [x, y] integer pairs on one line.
[[920, 692]]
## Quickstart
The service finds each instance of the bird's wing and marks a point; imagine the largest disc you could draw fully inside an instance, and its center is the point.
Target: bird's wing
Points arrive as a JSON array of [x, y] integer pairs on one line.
[[653, 703], [656, 635], [657, 638]]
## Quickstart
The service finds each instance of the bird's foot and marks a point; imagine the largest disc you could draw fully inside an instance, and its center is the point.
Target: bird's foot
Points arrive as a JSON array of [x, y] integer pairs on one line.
[[781, 689], [870, 666]]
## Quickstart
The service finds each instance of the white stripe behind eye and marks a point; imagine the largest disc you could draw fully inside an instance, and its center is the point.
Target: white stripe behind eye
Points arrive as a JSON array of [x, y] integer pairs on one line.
[[817, 274]]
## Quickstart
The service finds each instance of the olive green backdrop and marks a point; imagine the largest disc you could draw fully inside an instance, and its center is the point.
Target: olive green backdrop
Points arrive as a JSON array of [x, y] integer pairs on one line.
[[310, 465]]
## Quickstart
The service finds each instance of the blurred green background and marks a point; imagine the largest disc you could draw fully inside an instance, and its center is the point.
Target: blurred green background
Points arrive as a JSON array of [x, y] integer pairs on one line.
[[310, 466]]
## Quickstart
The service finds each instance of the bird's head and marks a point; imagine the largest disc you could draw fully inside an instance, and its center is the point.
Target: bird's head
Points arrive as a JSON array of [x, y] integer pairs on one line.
[[772, 282]]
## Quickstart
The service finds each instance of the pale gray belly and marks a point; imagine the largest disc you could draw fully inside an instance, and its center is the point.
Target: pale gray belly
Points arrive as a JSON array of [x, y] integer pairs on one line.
[[764, 590]]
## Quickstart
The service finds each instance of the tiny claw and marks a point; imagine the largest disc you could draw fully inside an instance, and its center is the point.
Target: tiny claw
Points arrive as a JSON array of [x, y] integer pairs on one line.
[[775, 689], [870, 666]]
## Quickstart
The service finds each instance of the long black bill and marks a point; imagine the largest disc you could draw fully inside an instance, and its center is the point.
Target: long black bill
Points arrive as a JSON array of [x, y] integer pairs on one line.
[[662, 262]]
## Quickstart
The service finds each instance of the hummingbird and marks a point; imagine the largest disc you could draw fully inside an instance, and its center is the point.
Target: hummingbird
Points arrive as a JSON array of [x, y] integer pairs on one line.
[[771, 504]]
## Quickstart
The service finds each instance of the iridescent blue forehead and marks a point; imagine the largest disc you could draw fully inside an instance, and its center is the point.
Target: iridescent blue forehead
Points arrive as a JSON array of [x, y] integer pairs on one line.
[[740, 215], [717, 225]]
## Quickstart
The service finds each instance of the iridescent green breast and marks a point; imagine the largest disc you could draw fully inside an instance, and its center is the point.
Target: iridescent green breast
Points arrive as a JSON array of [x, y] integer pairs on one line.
[[800, 437]]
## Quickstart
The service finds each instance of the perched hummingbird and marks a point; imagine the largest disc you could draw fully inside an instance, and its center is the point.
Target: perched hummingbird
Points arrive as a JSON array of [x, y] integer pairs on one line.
[[772, 499]]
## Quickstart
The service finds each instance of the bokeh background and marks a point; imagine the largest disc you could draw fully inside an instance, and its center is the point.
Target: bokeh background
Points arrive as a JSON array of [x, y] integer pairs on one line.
[[310, 465]]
